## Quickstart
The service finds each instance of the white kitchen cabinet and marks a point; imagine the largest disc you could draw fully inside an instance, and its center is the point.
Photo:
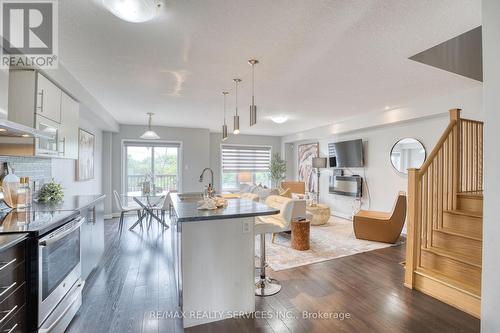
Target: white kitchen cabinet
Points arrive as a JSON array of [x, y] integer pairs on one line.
[[37, 102], [48, 102], [68, 134]]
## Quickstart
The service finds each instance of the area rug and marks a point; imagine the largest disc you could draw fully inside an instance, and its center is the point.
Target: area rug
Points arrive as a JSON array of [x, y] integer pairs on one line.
[[333, 240]]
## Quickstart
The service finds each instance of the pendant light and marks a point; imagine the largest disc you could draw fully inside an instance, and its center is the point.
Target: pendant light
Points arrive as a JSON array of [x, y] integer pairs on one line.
[[253, 107], [224, 127], [236, 130], [150, 134]]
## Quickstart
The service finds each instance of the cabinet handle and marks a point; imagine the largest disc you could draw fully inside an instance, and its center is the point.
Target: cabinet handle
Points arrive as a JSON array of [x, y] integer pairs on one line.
[[11, 330], [5, 289], [8, 263], [7, 313], [63, 152], [41, 101]]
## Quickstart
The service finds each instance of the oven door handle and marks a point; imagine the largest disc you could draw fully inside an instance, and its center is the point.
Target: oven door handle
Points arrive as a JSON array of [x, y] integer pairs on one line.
[[48, 241]]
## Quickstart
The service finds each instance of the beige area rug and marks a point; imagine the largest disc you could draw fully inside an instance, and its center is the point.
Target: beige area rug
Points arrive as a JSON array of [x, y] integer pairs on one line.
[[333, 240]]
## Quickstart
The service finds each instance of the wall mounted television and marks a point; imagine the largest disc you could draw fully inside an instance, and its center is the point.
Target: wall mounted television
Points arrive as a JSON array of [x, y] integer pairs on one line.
[[346, 154]]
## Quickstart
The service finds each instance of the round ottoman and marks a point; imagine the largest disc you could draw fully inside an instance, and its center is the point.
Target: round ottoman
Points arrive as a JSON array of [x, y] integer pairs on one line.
[[320, 213]]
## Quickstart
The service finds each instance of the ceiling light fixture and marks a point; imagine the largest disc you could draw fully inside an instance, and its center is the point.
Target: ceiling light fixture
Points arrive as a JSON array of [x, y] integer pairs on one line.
[[253, 107], [279, 119], [224, 127], [150, 134], [135, 11], [236, 124]]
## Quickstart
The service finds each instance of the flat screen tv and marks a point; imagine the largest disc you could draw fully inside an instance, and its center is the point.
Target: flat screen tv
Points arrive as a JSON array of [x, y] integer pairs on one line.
[[349, 154]]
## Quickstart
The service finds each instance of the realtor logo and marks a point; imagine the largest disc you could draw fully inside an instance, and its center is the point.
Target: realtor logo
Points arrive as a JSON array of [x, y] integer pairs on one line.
[[29, 30]]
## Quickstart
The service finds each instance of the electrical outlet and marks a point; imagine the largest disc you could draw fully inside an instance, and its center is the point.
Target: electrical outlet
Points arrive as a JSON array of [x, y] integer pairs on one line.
[[246, 227]]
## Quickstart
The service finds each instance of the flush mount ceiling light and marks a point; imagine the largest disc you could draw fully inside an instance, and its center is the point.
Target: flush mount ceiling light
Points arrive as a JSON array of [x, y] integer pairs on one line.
[[253, 107], [224, 127], [279, 119], [135, 11], [236, 117], [150, 134]]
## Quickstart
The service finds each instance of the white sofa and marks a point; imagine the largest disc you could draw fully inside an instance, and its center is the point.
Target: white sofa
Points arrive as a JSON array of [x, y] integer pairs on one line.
[[261, 191]]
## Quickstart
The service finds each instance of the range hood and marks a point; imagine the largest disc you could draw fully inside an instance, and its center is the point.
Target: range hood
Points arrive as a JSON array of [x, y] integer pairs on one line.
[[12, 129]]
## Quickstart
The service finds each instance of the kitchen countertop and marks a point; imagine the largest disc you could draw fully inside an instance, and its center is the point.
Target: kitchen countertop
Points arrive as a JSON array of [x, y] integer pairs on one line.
[[186, 209], [72, 202], [7, 241]]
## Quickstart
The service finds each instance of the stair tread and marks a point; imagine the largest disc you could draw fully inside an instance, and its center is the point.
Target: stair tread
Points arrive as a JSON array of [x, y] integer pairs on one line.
[[457, 233], [470, 289], [453, 255], [469, 213], [473, 195]]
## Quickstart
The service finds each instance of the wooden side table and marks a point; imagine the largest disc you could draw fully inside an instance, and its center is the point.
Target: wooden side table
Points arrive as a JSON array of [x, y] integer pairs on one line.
[[320, 213], [300, 235]]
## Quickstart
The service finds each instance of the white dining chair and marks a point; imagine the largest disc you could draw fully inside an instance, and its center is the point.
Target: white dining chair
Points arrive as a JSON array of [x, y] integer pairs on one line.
[[125, 209]]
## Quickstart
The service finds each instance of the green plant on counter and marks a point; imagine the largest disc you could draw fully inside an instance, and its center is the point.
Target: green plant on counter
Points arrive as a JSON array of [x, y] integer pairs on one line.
[[51, 193], [277, 170]]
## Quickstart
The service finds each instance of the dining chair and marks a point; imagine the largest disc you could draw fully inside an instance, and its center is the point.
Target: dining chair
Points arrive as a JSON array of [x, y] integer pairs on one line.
[[125, 209]]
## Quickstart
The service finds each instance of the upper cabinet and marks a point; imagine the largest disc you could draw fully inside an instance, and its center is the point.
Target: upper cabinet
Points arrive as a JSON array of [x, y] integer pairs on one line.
[[37, 102], [48, 102], [68, 137]]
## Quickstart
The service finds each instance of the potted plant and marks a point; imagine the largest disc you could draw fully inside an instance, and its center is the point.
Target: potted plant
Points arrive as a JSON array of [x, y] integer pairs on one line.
[[277, 170]]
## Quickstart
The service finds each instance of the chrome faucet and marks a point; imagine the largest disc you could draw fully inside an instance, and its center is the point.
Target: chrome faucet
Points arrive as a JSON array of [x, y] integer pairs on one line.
[[211, 190]]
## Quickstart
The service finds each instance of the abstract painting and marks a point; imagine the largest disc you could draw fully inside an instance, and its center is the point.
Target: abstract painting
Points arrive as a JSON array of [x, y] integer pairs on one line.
[[85, 163], [306, 172]]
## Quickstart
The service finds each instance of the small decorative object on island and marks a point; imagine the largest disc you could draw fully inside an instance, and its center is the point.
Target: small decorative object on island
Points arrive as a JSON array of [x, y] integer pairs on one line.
[[306, 153], [277, 170], [51, 193], [85, 165]]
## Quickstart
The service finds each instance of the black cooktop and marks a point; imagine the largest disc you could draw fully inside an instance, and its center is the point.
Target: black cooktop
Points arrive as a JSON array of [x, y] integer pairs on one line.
[[31, 221]]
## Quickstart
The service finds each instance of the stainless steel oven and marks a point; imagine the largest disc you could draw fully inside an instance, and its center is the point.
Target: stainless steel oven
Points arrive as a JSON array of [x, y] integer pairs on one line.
[[59, 269]]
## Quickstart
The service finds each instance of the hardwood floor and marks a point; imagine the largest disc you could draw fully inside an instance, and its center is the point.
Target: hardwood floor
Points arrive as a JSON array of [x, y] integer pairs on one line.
[[135, 279]]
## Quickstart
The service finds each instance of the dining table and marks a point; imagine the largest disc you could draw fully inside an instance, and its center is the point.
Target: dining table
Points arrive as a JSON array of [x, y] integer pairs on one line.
[[149, 203]]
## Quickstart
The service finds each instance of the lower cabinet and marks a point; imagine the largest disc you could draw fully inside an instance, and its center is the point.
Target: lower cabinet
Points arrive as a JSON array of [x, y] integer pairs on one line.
[[92, 237]]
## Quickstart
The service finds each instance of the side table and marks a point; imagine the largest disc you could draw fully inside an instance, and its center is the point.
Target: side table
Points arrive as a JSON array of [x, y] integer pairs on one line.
[[300, 235]]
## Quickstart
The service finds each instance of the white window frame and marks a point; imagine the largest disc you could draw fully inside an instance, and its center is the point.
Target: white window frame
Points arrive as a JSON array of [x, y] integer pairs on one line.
[[221, 171]]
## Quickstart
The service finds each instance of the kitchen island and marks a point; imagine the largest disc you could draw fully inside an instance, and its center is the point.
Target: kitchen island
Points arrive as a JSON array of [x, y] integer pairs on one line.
[[214, 257]]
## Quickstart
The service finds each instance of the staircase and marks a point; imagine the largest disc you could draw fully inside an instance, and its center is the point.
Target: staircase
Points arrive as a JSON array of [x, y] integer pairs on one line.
[[445, 218]]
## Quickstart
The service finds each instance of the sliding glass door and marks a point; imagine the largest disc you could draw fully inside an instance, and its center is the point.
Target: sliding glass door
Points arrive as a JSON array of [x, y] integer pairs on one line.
[[151, 166]]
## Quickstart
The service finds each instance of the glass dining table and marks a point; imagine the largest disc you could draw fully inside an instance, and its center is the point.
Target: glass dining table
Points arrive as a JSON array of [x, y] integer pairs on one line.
[[149, 203]]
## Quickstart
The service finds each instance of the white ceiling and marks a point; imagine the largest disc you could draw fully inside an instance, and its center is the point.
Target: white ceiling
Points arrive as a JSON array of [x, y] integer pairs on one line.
[[321, 61]]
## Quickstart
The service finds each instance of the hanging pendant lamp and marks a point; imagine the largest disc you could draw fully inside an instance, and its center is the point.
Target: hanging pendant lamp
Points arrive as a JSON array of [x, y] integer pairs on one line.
[[224, 127], [150, 134], [236, 124], [253, 107]]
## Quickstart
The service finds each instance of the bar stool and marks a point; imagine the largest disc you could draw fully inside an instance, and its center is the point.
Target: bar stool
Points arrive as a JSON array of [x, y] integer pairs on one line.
[[289, 209]]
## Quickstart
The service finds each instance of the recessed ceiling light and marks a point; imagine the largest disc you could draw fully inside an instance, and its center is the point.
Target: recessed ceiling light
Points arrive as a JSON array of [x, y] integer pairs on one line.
[[3, 130], [279, 119], [387, 107], [26, 136], [135, 11]]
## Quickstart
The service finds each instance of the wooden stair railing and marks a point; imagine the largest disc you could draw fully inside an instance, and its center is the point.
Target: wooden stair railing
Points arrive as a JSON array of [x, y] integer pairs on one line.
[[454, 166]]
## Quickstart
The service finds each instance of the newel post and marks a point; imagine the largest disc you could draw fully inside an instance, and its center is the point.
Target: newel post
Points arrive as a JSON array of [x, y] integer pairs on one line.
[[413, 228]]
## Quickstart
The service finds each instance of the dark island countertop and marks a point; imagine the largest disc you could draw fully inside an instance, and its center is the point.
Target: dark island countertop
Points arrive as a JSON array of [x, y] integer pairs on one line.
[[7, 241], [186, 209], [72, 202]]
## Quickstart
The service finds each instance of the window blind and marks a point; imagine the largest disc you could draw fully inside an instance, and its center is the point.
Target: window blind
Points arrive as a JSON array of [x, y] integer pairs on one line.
[[245, 158]]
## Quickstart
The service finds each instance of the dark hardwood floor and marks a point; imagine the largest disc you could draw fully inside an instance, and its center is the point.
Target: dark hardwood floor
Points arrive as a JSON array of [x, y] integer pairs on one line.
[[135, 279]]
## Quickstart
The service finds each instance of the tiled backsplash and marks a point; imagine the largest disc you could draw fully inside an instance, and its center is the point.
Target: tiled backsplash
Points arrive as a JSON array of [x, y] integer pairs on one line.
[[37, 169]]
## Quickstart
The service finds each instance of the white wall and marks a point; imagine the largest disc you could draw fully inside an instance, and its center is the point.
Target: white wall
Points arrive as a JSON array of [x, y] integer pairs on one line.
[[64, 171], [258, 140], [490, 307]]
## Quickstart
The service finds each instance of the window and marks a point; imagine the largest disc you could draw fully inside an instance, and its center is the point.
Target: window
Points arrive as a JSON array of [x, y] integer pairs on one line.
[[245, 165], [156, 163]]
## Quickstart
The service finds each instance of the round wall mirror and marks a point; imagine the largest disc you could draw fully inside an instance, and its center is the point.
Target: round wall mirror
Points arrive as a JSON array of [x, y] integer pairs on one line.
[[407, 153]]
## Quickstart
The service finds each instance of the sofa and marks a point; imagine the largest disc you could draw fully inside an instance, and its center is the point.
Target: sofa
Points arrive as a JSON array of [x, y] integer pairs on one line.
[[262, 191]]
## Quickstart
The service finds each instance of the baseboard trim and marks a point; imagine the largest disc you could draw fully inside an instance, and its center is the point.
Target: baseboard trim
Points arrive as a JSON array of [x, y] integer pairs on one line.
[[449, 295]]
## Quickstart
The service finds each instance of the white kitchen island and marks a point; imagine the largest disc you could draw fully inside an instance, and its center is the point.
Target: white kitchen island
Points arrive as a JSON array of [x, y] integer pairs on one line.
[[214, 258]]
